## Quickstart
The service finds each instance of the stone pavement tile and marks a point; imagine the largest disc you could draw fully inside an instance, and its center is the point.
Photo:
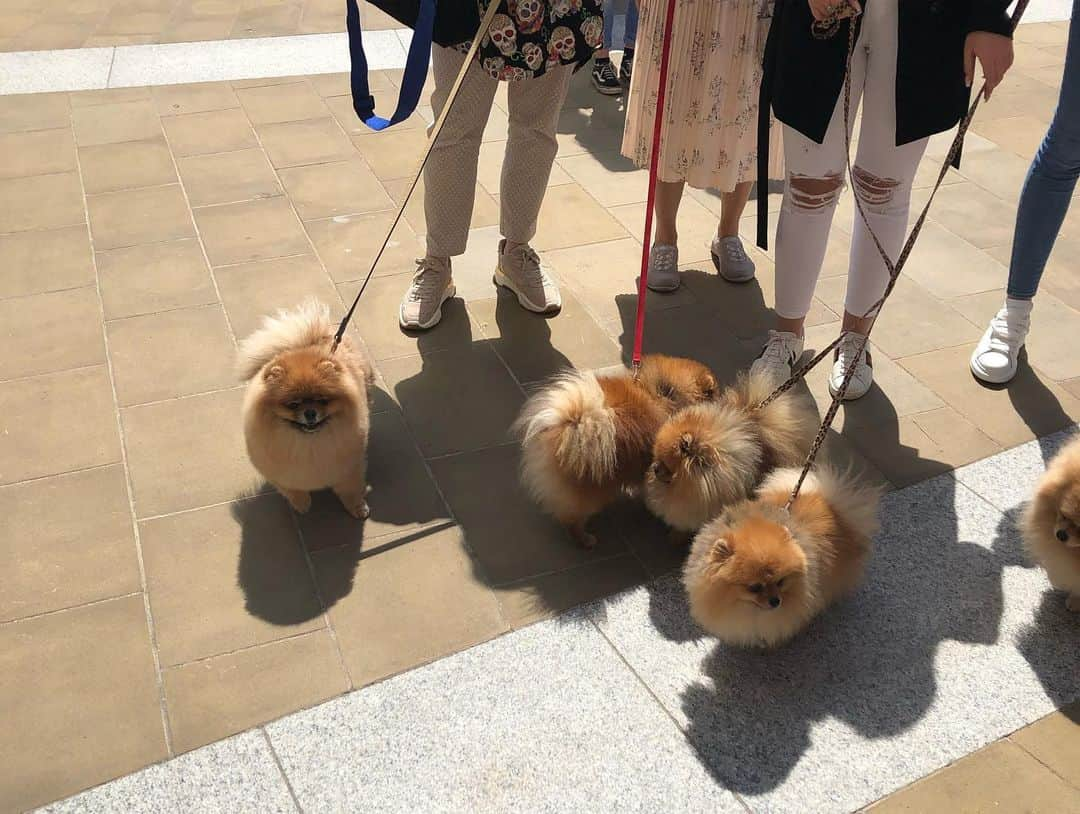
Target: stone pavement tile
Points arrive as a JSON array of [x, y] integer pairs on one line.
[[225, 578], [1000, 777], [570, 217], [913, 321], [608, 177], [1031, 406], [65, 421], [997, 171], [48, 332], [505, 530], [211, 699], [238, 775], [228, 177], [314, 141], [546, 595], [41, 202], [1041, 34], [116, 122], [535, 347], [474, 270], [55, 34], [406, 603], [402, 495], [170, 354], [281, 103], [187, 452], [34, 111], [887, 674], [1022, 94], [485, 207], [393, 157], [482, 722], [1052, 320], [37, 153], [975, 214], [105, 96], [253, 230], [72, 680], [36, 262], [129, 164], [253, 290], [135, 216], [177, 100], [1055, 742], [340, 188], [267, 19], [321, 16], [439, 394], [1008, 479], [199, 28], [215, 131], [341, 108], [377, 20], [489, 168], [1072, 386], [339, 84], [947, 266], [1059, 277], [155, 277], [67, 540], [1021, 135], [697, 228], [376, 320], [348, 243], [1031, 55]]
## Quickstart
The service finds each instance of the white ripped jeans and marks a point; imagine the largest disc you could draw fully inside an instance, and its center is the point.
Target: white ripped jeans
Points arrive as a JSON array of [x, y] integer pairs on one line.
[[883, 173]]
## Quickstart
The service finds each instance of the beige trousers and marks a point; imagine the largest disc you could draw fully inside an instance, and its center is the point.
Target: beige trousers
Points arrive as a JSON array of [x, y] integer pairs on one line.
[[450, 175]]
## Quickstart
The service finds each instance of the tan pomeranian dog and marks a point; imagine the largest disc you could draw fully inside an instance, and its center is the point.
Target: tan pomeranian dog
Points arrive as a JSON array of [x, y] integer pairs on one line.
[[709, 456], [306, 411], [587, 438], [1051, 524], [757, 575]]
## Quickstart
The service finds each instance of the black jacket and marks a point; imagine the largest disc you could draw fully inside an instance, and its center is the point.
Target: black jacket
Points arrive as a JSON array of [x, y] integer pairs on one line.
[[803, 77]]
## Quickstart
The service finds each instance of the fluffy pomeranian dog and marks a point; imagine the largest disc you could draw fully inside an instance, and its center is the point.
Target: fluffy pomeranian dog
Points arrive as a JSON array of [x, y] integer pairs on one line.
[[1051, 524], [587, 438], [708, 456], [757, 575], [306, 411]]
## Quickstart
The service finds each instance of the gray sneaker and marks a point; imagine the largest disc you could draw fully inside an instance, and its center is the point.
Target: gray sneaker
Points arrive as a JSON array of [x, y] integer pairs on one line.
[[663, 268], [520, 271], [731, 259], [432, 285], [778, 357]]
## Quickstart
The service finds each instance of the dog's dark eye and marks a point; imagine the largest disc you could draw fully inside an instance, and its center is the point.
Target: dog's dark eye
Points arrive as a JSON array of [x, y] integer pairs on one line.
[[757, 588], [292, 405], [780, 582], [322, 402]]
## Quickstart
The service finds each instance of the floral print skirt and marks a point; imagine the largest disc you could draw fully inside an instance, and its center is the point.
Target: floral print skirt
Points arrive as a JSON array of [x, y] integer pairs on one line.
[[710, 126]]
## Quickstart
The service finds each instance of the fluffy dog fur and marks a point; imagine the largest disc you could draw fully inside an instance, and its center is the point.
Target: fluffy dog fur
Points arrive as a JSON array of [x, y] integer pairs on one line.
[[709, 456], [1051, 524], [305, 411], [757, 575], [587, 438]]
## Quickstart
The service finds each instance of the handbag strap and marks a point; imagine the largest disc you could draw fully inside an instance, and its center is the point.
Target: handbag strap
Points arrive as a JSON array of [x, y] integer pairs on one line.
[[416, 67]]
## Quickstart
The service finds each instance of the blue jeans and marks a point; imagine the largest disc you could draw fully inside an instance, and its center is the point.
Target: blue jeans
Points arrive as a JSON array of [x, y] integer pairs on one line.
[[1051, 180], [630, 30]]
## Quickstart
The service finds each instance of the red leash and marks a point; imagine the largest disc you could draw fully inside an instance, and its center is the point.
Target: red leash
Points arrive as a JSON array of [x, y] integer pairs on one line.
[[654, 160]]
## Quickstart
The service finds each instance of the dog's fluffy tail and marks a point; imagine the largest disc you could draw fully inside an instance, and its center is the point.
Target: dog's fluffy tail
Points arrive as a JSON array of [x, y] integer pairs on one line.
[[851, 497], [307, 324], [787, 424], [573, 414]]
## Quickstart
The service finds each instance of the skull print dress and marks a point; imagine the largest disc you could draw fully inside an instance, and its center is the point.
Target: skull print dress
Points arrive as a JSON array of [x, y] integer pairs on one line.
[[710, 122], [527, 37]]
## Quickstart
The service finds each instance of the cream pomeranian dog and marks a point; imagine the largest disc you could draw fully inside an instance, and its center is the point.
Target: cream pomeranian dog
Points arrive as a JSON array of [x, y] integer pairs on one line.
[[587, 438], [757, 575], [709, 456], [1051, 524], [305, 410]]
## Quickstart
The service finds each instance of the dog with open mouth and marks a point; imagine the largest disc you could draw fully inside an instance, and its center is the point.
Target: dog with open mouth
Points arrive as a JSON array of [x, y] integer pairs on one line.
[[1051, 524], [306, 414]]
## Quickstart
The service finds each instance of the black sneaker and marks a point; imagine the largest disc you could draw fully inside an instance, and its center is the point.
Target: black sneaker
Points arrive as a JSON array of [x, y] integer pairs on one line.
[[604, 78], [626, 66]]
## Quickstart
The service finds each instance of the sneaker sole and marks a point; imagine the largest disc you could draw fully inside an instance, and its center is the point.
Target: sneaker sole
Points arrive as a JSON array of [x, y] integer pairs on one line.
[[501, 279], [436, 318], [607, 91], [720, 270], [986, 378], [850, 395]]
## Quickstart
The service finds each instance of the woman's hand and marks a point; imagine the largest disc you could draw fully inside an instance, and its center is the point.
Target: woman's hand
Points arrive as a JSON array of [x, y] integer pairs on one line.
[[824, 9], [995, 54]]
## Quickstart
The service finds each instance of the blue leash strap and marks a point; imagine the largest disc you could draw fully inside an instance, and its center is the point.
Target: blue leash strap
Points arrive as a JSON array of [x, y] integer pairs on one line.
[[416, 67]]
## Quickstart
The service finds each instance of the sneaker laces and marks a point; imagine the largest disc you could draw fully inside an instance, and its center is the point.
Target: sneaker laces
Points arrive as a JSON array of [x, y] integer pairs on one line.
[[735, 251], [425, 283], [777, 350], [606, 72], [847, 349], [662, 259]]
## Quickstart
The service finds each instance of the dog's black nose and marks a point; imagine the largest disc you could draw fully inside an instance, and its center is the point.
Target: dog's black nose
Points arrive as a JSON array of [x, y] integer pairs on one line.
[[774, 602], [311, 416], [1063, 535]]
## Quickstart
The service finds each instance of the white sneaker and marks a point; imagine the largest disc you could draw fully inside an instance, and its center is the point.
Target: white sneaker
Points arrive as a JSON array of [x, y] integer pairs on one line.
[[863, 376], [731, 260], [421, 307], [663, 268], [778, 356], [995, 357]]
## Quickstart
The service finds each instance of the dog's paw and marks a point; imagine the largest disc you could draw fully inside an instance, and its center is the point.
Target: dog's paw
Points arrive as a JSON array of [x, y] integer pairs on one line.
[[1072, 603], [358, 509]]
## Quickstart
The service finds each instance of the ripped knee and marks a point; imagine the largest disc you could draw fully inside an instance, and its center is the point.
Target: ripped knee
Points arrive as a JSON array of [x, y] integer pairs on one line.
[[810, 194], [877, 194]]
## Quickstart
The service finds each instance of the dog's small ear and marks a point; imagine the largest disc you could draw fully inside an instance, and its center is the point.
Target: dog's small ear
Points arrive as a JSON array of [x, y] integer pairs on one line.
[[274, 373], [720, 551], [686, 444], [710, 388], [328, 367]]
